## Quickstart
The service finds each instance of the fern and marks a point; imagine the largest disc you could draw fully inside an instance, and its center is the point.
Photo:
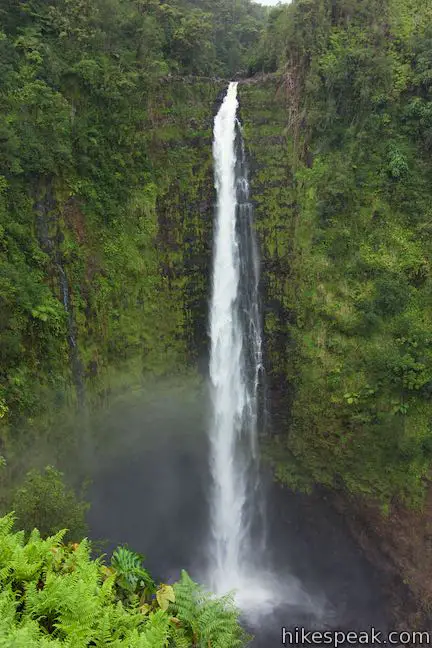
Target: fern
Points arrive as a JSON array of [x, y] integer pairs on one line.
[[156, 632], [210, 621], [55, 596]]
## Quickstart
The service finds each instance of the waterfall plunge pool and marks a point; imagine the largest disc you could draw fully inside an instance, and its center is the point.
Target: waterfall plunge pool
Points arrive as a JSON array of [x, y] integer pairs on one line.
[[188, 490], [150, 490]]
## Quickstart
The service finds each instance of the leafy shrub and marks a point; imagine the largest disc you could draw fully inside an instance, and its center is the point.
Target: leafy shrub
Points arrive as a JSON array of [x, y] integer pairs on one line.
[[44, 502]]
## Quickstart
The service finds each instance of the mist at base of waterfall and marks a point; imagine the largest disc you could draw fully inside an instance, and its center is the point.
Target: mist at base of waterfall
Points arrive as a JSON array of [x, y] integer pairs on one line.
[[150, 490], [262, 593]]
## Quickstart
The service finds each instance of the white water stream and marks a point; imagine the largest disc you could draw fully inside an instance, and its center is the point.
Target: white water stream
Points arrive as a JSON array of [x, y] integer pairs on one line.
[[235, 367]]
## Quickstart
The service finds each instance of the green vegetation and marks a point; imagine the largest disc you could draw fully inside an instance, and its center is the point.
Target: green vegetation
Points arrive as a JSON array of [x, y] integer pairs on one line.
[[106, 199], [106, 194], [348, 251], [53, 594], [45, 502]]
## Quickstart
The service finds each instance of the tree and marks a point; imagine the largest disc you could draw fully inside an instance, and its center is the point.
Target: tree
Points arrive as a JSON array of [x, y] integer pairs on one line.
[[45, 502]]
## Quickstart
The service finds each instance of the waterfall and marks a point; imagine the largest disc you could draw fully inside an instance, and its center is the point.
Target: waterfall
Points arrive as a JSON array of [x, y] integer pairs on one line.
[[235, 362], [238, 556]]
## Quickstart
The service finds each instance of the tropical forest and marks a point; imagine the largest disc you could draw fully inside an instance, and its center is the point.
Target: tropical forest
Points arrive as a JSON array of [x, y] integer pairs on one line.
[[215, 323]]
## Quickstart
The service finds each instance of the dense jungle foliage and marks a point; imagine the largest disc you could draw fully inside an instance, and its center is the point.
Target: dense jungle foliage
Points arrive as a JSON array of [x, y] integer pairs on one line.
[[106, 189], [105, 193], [106, 199], [351, 256]]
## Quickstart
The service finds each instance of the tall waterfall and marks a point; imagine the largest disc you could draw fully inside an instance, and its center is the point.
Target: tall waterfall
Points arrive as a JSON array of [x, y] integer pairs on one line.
[[235, 362]]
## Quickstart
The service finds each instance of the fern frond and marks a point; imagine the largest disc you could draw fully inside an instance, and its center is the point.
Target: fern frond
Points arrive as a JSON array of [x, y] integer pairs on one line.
[[156, 631], [6, 524]]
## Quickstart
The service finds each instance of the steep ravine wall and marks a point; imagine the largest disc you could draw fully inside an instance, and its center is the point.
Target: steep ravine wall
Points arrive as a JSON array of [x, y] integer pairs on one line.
[[125, 294], [264, 117], [397, 541]]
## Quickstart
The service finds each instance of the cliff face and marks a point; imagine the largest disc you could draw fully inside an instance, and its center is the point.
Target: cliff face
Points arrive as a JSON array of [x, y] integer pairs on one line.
[[106, 210], [116, 290], [353, 255], [264, 117], [106, 195], [341, 210]]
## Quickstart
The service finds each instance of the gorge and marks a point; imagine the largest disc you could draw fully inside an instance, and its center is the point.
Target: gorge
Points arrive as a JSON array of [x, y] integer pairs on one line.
[[296, 582], [107, 207]]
